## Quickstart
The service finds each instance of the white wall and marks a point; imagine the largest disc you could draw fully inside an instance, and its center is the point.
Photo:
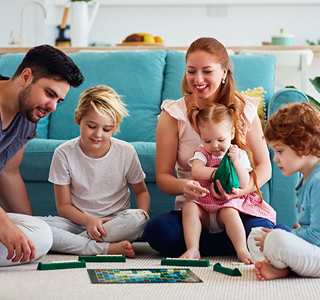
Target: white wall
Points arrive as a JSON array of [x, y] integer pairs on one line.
[[248, 23], [179, 25]]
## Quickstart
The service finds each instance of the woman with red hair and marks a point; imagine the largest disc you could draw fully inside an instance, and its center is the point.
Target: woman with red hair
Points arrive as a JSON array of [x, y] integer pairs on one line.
[[208, 79]]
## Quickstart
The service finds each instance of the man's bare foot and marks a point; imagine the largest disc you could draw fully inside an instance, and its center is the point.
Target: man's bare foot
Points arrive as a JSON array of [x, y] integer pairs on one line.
[[191, 254], [244, 256], [265, 271], [123, 247]]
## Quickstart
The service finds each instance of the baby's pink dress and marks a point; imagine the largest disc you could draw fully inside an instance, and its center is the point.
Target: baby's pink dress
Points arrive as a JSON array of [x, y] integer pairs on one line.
[[249, 204], [189, 140]]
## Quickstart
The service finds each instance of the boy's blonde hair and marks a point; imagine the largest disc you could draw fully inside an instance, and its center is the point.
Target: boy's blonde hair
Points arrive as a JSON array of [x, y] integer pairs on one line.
[[105, 101], [296, 125]]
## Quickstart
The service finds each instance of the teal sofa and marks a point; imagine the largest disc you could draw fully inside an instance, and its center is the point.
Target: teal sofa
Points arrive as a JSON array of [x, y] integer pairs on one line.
[[144, 79]]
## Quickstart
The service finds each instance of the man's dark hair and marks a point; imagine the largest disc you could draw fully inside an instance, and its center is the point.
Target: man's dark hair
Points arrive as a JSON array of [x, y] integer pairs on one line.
[[46, 61]]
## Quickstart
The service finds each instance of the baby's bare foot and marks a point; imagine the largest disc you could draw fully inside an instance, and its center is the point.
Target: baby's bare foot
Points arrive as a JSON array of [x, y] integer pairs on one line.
[[265, 271], [244, 256], [123, 247], [192, 253]]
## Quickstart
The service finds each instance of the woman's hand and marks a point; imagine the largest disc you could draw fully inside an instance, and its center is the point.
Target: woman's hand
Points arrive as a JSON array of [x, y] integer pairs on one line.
[[260, 239], [95, 229], [192, 190], [223, 194]]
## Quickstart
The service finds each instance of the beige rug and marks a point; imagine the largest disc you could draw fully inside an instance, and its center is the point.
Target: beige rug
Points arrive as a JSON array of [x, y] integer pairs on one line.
[[26, 282]]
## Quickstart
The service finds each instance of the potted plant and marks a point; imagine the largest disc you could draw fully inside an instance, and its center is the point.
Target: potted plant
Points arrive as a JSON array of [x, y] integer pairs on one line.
[[316, 83], [312, 43]]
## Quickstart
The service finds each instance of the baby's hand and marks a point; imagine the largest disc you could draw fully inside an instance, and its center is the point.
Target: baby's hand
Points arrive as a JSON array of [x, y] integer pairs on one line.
[[260, 239], [233, 153], [223, 196]]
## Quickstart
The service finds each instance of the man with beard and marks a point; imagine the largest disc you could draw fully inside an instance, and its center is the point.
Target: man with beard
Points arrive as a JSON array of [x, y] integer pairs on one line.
[[41, 81]]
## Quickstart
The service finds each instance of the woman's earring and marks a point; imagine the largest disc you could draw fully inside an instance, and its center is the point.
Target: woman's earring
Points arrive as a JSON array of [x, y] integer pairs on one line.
[[223, 81]]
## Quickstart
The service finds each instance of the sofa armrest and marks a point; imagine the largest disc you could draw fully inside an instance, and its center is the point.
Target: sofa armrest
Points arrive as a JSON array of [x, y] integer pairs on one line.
[[285, 96], [282, 196]]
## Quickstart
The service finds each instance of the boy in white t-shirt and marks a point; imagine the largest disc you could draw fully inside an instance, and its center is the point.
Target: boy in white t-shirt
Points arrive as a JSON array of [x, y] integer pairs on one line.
[[91, 176]]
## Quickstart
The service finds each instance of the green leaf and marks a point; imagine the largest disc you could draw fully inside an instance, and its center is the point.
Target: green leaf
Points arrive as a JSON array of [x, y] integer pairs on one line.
[[316, 83], [290, 87], [314, 102], [311, 43]]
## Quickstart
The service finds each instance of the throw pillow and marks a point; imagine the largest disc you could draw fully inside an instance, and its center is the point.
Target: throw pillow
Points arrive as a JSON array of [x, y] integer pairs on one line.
[[258, 93]]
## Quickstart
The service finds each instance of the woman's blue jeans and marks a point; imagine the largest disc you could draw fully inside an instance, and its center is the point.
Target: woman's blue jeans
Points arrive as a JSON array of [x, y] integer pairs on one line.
[[165, 234]]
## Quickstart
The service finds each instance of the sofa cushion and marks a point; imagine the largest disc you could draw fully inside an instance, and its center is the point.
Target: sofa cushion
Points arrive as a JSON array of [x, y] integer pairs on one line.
[[260, 71], [37, 157], [8, 65], [147, 156], [137, 76], [174, 72]]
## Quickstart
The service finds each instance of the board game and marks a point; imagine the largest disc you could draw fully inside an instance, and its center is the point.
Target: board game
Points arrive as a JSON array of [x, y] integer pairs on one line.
[[185, 262], [55, 265], [102, 258], [142, 276]]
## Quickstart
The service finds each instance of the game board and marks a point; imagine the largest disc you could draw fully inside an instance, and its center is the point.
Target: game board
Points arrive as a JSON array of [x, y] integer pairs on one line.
[[142, 276]]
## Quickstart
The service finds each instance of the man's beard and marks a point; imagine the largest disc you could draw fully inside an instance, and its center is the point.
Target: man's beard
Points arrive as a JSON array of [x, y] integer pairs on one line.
[[25, 105]]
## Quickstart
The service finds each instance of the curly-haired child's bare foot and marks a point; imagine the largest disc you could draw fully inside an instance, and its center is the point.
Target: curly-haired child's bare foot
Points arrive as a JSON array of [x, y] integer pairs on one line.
[[123, 247], [244, 256], [192, 253], [265, 271]]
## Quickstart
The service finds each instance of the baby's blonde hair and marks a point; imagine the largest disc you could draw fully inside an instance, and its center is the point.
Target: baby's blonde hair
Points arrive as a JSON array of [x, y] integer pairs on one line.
[[105, 101]]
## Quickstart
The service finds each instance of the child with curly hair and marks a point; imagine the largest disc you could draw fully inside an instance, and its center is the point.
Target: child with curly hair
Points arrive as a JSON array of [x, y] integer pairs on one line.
[[293, 133]]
